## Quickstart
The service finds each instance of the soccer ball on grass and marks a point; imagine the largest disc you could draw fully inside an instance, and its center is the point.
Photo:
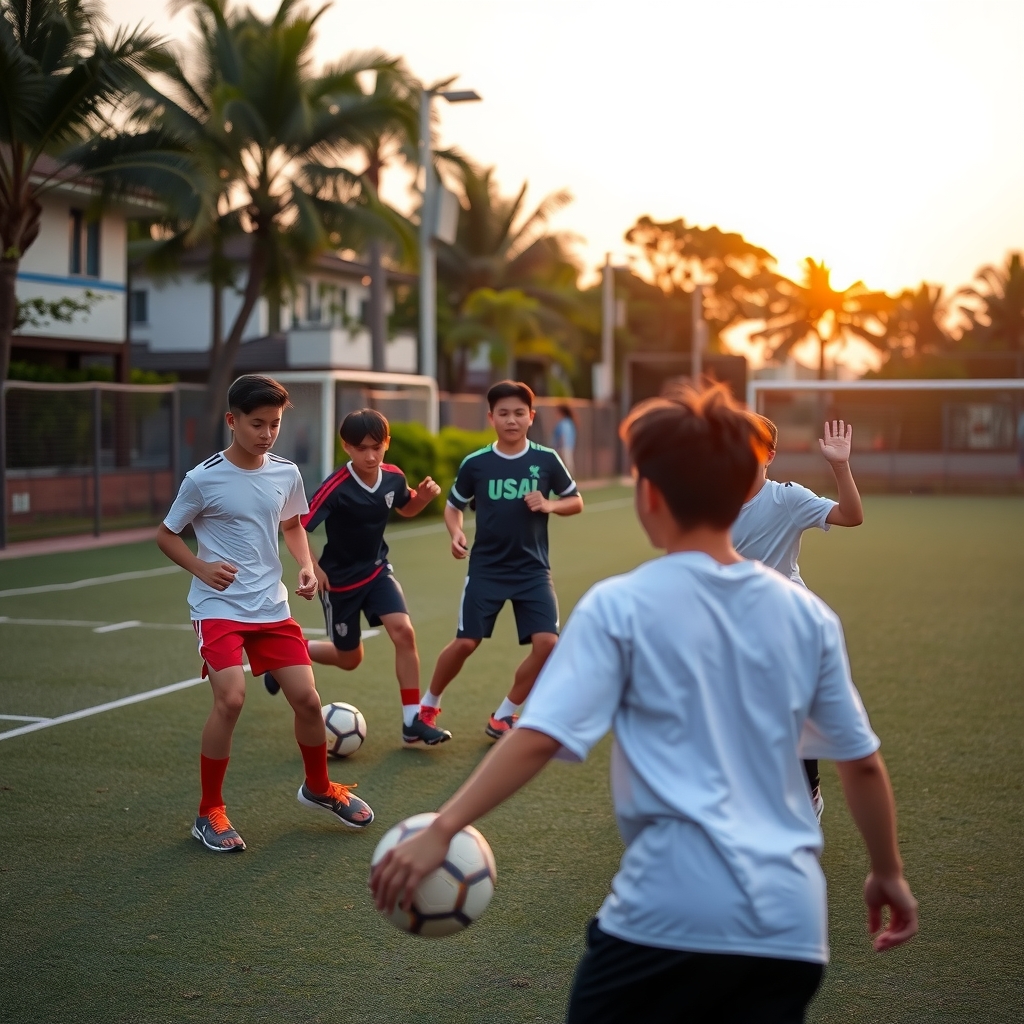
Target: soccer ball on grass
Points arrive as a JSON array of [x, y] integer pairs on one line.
[[453, 896], [346, 728]]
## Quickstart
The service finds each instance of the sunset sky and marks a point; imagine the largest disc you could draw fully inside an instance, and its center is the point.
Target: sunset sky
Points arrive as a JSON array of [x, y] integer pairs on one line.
[[884, 138]]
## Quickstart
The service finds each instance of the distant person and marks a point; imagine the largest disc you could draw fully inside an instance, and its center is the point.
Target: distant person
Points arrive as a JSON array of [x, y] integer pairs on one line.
[[511, 482], [715, 675], [775, 515], [353, 572], [236, 501], [564, 437]]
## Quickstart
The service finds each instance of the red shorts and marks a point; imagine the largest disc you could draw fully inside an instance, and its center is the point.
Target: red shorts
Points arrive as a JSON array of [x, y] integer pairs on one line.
[[268, 645]]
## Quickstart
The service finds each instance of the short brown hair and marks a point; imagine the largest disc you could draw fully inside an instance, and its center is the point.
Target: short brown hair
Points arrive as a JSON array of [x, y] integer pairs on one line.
[[772, 430], [700, 449], [365, 423], [510, 389], [255, 390]]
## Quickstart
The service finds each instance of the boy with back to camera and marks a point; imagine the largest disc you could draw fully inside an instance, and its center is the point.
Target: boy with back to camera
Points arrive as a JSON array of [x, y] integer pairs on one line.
[[236, 501], [775, 515], [353, 573], [510, 482], [716, 675]]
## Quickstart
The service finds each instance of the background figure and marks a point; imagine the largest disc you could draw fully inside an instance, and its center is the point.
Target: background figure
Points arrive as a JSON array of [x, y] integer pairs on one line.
[[564, 438]]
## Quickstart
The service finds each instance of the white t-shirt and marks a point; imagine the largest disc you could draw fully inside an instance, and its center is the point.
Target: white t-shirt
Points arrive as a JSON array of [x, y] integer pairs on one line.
[[236, 514], [716, 681], [769, 526]]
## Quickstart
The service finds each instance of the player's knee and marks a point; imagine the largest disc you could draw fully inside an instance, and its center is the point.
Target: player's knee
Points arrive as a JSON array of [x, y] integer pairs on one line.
[[229, 704], [307, 704], [544, 643], [404, 636], [349, 660], [465, 646]]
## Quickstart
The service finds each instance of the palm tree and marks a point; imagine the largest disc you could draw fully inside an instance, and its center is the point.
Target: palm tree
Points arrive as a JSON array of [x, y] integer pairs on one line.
[[262, 138], [999, 324], [61, 82], [914, 325], [814, 309]]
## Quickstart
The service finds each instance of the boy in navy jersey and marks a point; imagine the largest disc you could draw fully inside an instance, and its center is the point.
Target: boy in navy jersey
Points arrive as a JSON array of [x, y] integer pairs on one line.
[[353, 573], [775, 515], [509, 482], [236, 501]]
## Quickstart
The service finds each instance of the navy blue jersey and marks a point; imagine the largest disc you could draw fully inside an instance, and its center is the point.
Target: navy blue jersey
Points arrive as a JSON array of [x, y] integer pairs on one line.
[[355, 517], [511, 541]]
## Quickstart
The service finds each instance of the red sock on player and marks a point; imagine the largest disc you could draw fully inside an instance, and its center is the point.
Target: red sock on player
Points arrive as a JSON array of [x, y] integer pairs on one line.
[[211, 777], [315, 761]]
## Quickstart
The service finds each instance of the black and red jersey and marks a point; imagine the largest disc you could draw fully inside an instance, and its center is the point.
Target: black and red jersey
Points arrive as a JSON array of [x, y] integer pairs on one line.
[[355, 517]]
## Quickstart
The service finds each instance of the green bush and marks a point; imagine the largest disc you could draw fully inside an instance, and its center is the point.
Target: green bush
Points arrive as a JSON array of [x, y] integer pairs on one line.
[[418, 453]]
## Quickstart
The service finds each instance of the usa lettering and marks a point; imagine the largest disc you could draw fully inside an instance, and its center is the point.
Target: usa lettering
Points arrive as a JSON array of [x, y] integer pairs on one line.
[[498, 489]]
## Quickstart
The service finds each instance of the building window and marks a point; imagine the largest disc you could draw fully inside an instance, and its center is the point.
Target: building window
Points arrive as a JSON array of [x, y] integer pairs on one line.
[[84, 245], [139, 306]]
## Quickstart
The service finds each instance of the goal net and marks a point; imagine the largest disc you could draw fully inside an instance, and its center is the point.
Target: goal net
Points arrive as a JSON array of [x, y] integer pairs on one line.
[[908, 435]]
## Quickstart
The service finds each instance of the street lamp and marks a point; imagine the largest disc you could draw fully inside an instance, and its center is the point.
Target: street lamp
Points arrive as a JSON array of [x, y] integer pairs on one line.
[[438, 221]]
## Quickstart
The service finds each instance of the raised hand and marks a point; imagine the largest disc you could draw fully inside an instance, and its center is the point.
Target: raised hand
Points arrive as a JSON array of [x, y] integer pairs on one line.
[[217, 575], [836, 443], [429, 488]]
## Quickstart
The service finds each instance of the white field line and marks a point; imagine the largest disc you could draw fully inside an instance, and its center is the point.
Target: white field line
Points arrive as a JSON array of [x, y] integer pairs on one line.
[[115, 626], [23, 718], [93, 581]]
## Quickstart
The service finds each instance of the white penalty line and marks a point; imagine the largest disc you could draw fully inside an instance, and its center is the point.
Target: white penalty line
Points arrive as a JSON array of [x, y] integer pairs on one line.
[[92, 581]]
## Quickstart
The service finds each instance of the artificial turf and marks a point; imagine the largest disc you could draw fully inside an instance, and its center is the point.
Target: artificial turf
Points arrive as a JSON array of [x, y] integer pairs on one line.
[[112, 913]]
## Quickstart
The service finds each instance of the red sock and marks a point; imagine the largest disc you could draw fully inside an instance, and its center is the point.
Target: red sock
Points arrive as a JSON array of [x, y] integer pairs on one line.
[[410, 697], [211, 775], [315, 761]]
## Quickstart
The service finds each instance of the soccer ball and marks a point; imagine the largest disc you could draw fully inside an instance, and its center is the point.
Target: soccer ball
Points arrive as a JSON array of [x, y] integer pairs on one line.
[[346, 728], [454, 895]]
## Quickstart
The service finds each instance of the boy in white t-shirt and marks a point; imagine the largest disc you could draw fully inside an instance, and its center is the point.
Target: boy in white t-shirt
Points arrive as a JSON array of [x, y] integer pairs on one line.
[[236, 501], [775, 515], [715, 675]]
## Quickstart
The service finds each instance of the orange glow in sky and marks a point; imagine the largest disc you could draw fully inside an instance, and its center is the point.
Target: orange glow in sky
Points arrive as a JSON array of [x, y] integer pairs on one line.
[[883, 138]]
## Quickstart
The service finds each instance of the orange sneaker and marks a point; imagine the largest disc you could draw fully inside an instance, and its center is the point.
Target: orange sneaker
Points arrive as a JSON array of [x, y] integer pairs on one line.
[[214, 831], [497, 727], [428, 715], [340, 802]]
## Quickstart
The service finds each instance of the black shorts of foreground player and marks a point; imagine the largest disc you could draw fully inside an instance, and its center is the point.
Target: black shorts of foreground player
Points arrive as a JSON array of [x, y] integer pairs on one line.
[[716, 675], [510, 484], [354, 576]]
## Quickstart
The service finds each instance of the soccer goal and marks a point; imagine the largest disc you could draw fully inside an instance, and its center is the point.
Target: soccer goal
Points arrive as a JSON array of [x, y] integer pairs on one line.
[[908, 435]]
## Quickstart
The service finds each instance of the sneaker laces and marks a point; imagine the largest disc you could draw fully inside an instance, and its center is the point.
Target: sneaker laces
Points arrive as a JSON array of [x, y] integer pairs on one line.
[[341, 792], [219, 820], [428, 715]]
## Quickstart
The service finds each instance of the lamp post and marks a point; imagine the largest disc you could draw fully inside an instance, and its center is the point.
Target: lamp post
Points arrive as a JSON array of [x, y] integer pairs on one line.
[[430, 217]]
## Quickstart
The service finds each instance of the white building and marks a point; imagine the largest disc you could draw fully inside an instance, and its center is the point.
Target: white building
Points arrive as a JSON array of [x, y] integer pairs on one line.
[[322, 327], [83, 259]]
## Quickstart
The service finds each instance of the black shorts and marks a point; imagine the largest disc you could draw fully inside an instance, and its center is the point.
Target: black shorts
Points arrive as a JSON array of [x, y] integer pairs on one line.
[[381, 596], [620, 982], [533, 602]]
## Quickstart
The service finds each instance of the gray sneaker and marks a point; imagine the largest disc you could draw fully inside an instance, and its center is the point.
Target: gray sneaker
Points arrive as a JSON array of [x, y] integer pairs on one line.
[[340, 803], [213, 829]]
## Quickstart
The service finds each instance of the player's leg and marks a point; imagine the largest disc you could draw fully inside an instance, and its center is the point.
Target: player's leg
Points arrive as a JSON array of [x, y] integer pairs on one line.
[[536, 609], [220, 647], [281, 649], [343, 647], [478, 610]]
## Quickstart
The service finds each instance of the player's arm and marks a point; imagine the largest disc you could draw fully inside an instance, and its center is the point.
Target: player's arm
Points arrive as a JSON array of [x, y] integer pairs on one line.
[[453, 520], [506, 769], [570, 506], [217, 575], [422, 496], [297, 542], [869, 796], [835, 446]]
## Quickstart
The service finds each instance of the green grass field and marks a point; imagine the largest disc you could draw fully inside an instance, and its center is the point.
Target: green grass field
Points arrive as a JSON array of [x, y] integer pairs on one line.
[[112, 913]]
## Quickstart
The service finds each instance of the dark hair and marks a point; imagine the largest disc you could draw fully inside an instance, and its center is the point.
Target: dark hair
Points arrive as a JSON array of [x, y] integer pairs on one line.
[[253, 391], [566, 410], [509, 389], [772, 430], [700, 449], [364, 423]]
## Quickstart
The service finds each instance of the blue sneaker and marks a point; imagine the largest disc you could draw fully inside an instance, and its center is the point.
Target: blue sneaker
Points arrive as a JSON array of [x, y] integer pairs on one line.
[[272, 685]]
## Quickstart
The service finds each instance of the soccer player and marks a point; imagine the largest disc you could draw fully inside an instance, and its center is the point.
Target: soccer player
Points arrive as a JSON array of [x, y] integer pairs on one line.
[[775, 515], [716, 675], [510, 482], [236, 501], [353, 573]]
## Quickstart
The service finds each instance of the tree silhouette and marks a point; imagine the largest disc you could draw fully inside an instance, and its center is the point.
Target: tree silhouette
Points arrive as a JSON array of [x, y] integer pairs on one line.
[[999, 323]]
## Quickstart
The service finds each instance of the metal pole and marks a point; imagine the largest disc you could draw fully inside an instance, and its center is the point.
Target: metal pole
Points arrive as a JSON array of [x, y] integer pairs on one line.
[[3, 466], [605, 383], [428, 268], [97, 440]]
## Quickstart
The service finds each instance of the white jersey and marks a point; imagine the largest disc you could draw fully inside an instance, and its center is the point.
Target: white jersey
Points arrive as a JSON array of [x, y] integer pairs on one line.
[[717, 680], [769, 526], [236, 514]]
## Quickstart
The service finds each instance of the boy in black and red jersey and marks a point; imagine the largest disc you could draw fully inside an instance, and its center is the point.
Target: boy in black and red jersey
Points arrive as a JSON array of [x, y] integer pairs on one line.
[[353, 572]]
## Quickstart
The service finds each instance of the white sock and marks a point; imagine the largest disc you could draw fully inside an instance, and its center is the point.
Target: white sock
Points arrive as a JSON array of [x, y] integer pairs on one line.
[[431, 700], [506, 708], [409, 712]]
